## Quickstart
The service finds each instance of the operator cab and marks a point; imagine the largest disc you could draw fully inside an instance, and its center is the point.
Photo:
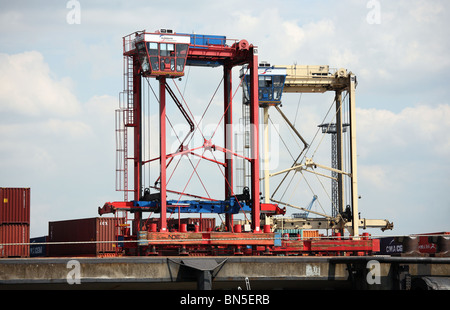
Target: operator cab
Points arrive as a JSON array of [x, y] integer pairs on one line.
[[270, 84], [162, 53]]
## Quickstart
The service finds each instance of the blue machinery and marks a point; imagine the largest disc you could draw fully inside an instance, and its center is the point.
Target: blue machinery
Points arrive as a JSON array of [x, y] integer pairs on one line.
[[270, 85], [305, 214]]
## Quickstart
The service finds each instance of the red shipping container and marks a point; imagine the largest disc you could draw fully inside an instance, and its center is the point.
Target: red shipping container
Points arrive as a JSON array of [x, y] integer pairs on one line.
[[14, 205], [96, 230], [15, 233]]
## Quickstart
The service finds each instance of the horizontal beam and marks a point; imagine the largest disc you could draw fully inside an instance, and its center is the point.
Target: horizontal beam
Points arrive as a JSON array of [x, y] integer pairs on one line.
[[300, 208], [314, 79], [309, 163], [327, 223], [215, 55], [231, 206], [209, 238]]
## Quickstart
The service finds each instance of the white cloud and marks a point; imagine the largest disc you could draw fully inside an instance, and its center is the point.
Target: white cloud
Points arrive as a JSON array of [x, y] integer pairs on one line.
[[424, 11], [421, 130], [409, 42], [95, 59], [50, 141], [28, 87], [101, 107], [282, 41], [403, 166], [376, 175], [67, 129]]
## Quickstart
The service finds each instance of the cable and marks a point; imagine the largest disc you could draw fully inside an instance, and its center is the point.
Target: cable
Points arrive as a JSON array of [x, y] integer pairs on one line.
[[301, 157], [178, 138], [282, 140], [298, 106], [228, 106]]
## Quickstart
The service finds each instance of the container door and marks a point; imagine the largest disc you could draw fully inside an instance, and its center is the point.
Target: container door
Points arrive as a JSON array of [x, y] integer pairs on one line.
[[14, 205], [106, 231]]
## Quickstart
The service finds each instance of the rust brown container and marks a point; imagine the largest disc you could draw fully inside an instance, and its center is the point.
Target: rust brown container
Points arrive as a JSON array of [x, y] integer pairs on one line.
[[87, 237], [18, 238], [14, 205]]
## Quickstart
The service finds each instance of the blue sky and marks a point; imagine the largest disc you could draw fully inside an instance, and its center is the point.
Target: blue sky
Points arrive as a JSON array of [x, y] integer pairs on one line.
[[59, 86]]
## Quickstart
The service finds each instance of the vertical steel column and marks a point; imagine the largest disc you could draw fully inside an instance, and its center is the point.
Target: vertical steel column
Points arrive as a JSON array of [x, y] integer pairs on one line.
[[254, 139], [339, 150], [228, 137], [162, 152], [137, 140], [354, 188], [266, 156]]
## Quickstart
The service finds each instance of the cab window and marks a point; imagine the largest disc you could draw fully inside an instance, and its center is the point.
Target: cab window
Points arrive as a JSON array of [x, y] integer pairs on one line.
[[153, 49], [167, 50]]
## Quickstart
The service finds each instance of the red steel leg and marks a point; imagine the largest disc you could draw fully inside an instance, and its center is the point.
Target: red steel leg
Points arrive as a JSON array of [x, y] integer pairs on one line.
[[228, 136], [162, 151], [254, 132], [137, 138]]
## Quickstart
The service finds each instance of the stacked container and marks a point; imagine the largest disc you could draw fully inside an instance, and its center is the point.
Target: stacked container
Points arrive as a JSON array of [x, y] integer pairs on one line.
[[421, 244], [38, 246], [14, 222], [84, 237]]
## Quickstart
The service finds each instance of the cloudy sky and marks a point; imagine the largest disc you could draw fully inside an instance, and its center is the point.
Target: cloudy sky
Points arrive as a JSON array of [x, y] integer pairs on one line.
[[61, 74]]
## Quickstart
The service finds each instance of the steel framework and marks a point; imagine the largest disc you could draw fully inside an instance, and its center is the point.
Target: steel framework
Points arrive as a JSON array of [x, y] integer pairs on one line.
[[200, 53], [275, 80], [163, 55], [321, 79], [335, 194]]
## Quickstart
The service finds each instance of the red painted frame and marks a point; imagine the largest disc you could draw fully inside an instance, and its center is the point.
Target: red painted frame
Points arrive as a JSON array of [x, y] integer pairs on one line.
[[239, 53]]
